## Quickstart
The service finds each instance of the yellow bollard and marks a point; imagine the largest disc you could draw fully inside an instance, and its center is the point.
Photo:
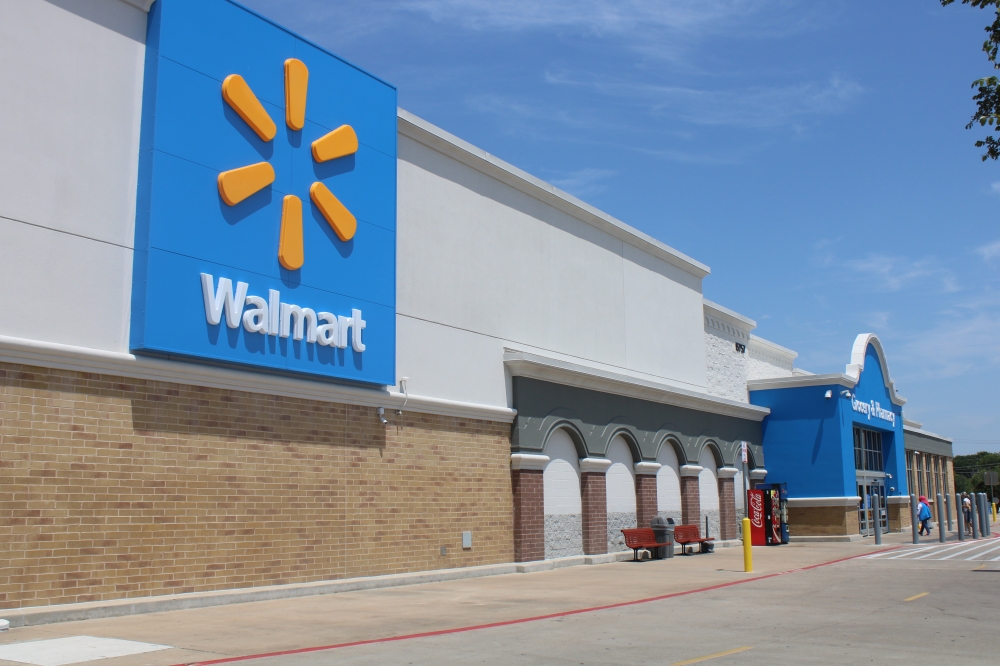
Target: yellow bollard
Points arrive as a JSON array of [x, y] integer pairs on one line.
[[747, 547]]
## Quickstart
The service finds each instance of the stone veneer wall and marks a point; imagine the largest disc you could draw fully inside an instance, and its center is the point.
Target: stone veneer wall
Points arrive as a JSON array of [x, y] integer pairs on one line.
[[726, 368], [113, 488], [618, 521], [563, 535]]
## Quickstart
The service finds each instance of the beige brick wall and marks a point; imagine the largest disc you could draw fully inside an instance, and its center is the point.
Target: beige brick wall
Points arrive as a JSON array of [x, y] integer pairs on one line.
[[114, 487], [822, 520]]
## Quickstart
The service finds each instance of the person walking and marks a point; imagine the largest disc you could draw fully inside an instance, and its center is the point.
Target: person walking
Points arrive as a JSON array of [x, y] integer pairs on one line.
[[967, 512], [924, 516]]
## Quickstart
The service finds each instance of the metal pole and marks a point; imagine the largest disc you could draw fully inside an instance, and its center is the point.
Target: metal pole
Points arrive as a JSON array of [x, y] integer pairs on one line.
[[975, 516], [984, 516], [940, 511], [747, 547], [877, 511], [913, 518], [961, 517], [947, 509]]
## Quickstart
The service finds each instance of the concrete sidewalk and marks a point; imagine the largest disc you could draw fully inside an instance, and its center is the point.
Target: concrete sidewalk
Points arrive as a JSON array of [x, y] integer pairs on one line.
[[287, 624]]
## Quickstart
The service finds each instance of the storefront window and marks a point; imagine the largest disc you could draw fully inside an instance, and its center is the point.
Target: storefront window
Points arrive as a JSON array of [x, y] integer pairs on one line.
[[920, 473], [909, 471], [868, 450], [937, 475]]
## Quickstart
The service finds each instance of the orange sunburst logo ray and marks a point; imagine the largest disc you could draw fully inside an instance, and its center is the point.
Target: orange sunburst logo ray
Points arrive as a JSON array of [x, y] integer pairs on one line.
[[236, 185]]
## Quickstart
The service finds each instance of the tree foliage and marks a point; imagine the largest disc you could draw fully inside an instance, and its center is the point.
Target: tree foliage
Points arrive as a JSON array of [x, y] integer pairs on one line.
[[987, 97], [969, 472]]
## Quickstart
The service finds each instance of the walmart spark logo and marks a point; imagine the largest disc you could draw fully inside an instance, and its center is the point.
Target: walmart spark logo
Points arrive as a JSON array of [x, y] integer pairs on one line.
[[238, 184]]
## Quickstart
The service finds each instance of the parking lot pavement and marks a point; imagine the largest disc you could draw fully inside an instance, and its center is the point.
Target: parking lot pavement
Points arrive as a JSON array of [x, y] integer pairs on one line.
[[266, 627], [850, 613]]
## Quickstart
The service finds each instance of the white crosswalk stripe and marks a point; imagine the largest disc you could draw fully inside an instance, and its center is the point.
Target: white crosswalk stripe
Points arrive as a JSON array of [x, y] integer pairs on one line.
[[963, 551], [986, 553], [940, 550]]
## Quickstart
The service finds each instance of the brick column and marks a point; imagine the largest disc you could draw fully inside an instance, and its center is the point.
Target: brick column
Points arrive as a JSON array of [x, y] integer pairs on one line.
[[527, 483], [646, 503], [594, 498], [727, 503], [690, 495]]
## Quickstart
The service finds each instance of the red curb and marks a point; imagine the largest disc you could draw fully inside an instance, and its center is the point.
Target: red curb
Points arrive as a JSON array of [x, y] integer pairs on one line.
[[536, 618]]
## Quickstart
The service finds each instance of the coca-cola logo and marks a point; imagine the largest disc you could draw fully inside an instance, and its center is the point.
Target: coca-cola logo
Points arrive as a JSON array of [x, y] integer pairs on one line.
[[757, 509]]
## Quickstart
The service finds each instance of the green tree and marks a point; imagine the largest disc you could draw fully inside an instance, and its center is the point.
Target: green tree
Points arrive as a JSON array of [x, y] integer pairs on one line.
[[987, 97], [969, 472]]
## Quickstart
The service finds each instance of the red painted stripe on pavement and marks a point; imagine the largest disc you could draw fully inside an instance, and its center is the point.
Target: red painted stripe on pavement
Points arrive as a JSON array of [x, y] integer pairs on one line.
[[536, 618]]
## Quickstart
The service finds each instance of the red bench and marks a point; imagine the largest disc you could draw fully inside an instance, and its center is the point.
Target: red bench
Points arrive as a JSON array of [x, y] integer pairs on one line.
[[685, 534], [640, 537]]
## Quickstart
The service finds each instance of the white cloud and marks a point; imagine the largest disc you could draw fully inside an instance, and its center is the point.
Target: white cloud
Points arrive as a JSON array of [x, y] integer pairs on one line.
[[758, 106], [585, 182], [990, 250], [959, 342], [595, 17], [887, 273]]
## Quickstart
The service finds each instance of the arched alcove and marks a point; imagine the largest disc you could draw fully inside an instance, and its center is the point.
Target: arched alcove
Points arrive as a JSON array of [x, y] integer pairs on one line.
[[563, 509], [668, 482], [620, 488], [708, 486]]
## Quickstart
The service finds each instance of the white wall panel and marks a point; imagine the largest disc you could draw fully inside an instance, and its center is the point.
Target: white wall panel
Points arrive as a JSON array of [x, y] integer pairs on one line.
[[620, 482], [478, 255], [561, 477], [62, 288], [708, 482], [668, 480], [450, 363], [71, 77], [663, 320]]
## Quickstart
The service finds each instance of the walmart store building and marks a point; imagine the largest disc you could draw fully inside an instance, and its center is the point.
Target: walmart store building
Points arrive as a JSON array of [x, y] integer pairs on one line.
[[261, 326]]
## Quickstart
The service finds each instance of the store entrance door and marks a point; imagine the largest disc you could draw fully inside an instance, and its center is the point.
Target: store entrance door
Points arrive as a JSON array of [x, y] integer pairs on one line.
[[868, 521]]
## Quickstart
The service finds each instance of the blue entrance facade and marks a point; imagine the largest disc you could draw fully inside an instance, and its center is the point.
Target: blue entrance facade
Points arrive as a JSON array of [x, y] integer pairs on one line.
[[836, 439]]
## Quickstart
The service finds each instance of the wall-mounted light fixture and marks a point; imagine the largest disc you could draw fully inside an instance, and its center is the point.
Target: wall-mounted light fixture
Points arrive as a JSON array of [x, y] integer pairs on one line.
[[828, 394]]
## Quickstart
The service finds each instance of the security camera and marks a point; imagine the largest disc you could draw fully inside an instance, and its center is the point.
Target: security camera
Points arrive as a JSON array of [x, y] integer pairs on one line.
[[846, 394], [381, 416]]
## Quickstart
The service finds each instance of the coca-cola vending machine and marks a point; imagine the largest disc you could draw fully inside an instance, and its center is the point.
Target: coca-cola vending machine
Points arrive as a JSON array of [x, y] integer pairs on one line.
[[774, 523], [756, 512]]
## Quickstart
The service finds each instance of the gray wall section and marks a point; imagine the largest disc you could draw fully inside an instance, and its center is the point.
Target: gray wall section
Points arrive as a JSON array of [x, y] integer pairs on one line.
[[916, 442], [593, 419], [563, 535]]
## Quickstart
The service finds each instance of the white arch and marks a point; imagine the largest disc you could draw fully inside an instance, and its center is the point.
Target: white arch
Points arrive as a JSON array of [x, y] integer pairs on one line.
[[620, 477], [561, 477], [857, 364], [668, 481], [620, 488], [563, 509], [738, 489], [708, 481]]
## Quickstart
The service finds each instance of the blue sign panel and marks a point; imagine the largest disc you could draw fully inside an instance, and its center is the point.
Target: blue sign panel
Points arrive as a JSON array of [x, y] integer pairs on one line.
[[808, 437], [266, 212]]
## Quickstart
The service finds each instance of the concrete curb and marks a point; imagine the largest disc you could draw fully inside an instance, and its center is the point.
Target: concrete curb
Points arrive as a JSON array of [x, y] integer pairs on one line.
[[841, 538], [121, 607]]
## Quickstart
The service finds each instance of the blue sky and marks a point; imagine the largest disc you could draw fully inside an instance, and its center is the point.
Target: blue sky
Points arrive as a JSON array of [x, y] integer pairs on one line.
[[812, 153]]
